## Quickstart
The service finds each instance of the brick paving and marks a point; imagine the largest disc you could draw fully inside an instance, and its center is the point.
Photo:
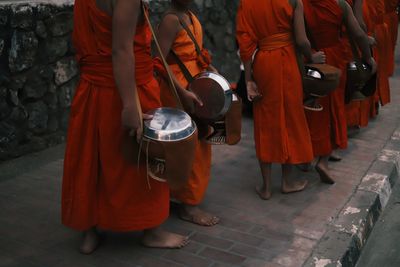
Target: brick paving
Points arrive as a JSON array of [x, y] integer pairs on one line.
[[252, 232]]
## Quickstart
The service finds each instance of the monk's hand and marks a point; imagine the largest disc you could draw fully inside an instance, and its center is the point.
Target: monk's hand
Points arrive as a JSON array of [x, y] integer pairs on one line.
[[131, 119], [372, 41], [252, 91], [318, 57], [190, 100], [372, 63]]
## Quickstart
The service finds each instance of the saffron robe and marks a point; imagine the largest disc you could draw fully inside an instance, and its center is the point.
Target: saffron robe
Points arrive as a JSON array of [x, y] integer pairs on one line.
[[382, 51], [280, 128], [328, 127], [357, 112], [193, 191], [100, 186], [392, 20]]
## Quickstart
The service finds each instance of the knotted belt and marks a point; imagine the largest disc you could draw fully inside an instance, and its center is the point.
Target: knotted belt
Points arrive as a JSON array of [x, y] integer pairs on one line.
[[98, 70], [275, 41]]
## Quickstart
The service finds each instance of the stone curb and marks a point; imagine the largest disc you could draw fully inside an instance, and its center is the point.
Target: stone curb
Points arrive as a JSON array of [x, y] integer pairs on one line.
[[347, 234]]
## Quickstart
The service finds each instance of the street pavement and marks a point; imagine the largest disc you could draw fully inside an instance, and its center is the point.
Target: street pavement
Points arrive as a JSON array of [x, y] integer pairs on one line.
[[280, 232], [383, 246]]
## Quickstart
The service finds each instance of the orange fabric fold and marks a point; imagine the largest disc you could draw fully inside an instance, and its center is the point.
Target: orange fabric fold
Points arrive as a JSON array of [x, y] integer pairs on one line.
[[275, 41], [381, 52], [392, 21], [357, 112]]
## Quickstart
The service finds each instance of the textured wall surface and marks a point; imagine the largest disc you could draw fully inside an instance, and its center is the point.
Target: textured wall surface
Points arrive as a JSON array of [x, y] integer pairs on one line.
[[38, 73]]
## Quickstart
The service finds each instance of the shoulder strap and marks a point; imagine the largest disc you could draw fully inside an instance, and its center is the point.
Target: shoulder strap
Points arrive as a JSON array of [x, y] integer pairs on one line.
[[185, 71], [166, 66], [182, 66], [190, 33], [186, 28]]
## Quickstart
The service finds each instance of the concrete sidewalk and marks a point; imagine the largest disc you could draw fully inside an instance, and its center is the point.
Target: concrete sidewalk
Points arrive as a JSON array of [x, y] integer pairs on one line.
[[382, 248], [307, 228]]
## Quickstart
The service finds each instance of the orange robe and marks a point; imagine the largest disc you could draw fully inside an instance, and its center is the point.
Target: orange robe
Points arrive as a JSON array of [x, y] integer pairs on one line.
[[365, 106], [280, 126], [194, 190], [382, 50], [328, 127], [357, 112], [352, 108], [392, 20], [100, 187]]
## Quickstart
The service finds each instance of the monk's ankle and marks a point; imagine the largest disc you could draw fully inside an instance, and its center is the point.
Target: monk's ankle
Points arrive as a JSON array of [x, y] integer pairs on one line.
[[90, 241]]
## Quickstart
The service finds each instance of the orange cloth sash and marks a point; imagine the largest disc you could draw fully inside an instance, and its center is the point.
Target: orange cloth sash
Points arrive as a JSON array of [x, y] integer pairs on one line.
[[276, 41], [98, 70]]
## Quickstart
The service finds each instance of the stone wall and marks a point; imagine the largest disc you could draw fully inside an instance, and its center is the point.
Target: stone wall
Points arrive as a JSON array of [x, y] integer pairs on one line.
[[38, 73]]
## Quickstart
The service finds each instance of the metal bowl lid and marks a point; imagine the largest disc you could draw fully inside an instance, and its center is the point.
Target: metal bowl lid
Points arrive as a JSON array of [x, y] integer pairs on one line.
[[215, 93], [352, 66], [168, 124], [314, 74]]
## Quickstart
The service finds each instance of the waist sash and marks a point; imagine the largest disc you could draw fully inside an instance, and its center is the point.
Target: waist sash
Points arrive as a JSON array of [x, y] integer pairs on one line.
[[275, 41], [98, 70]]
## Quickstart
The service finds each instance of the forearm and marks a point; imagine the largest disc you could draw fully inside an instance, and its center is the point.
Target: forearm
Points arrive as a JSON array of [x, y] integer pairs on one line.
[[124, 73], [305, 49], [363, 44], [248, 70], [358, 13]]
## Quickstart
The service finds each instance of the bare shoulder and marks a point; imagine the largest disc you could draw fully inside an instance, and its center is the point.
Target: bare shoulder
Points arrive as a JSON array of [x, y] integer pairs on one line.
[[170, 22], [170, 19]]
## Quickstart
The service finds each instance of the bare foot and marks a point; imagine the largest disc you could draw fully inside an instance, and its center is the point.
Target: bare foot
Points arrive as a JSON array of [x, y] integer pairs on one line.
[[353, 131], [293, 186], [195, 215], [324, 174], [263, 193], [90, 242], [157, 238], [304, 167], [334, 157]]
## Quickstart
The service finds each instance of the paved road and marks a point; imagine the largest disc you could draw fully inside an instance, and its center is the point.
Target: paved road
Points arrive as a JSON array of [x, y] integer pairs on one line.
[[383, 246]]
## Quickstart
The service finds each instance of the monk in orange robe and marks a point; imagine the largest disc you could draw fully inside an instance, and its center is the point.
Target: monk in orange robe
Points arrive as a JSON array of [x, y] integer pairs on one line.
[[365, 106], [173, 37], [381, 52], [269, 31], [392, 20], [101, 188], [357, 112], [329, 127]]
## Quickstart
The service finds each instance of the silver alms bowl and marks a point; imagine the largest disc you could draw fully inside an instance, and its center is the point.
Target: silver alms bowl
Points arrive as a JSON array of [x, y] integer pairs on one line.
[[168, 125], [215, 93]]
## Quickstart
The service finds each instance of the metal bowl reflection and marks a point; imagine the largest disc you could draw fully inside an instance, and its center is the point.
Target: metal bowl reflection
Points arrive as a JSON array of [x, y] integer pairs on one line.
[[168, 124]]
